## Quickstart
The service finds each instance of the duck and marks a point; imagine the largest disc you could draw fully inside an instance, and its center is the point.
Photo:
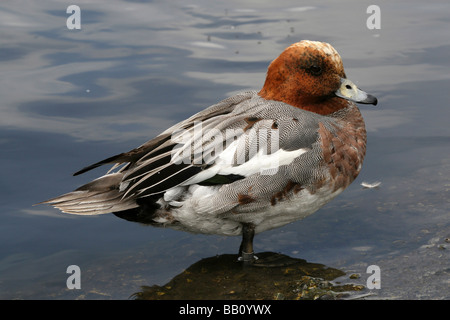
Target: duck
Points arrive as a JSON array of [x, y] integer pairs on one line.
[[253, 162]]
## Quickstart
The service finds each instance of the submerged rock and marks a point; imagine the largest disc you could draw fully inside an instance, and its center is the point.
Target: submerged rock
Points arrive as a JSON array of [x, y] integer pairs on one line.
[[223, 277]]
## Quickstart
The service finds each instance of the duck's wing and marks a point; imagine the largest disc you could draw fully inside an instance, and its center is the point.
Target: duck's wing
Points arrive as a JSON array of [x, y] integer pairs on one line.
[[191, 148], [165, 161], [242, 137]]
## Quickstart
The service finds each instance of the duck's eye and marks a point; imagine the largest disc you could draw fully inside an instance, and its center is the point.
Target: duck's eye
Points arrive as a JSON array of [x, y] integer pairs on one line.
[[315, 70]]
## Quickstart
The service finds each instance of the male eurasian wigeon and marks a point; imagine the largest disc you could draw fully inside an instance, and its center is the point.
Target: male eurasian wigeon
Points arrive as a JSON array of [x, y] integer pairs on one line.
[[250, 163]]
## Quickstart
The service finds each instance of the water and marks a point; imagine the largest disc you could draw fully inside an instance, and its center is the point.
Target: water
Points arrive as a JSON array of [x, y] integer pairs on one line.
[[72, 97]]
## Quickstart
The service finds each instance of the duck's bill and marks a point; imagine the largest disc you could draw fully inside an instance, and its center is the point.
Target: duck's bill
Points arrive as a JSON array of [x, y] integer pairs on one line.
[[349, 91]]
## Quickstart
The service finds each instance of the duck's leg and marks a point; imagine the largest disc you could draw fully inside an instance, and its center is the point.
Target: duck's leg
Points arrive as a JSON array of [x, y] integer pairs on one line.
[[246, 253], [270, 259]]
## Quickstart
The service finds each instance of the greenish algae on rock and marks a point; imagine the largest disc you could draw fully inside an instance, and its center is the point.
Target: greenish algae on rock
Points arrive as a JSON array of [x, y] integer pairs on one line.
[[224, 277]]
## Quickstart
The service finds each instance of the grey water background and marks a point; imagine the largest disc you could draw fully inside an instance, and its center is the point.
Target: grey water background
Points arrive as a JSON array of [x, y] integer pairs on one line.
[[69, 98]]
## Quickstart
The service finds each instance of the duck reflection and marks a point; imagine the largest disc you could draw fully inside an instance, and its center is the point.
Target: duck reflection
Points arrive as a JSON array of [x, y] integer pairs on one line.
[[224, 277]]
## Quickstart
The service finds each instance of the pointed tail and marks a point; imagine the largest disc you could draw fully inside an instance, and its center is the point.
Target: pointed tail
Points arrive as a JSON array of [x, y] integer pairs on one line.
[[99, 196]]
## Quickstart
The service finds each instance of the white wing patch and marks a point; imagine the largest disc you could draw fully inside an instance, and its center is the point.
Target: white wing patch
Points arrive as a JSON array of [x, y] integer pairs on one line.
[[260, 163], [266, 164]]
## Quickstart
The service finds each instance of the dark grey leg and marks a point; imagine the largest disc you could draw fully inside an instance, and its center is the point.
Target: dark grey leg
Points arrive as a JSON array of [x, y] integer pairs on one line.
[[246, 249], [248, 257]]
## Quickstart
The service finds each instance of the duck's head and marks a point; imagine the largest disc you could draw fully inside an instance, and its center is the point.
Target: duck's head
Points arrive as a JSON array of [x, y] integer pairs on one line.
[[310, 75]]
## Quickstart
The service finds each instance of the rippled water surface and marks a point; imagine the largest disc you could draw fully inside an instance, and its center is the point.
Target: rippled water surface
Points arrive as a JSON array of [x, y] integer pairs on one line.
[[72, 97]]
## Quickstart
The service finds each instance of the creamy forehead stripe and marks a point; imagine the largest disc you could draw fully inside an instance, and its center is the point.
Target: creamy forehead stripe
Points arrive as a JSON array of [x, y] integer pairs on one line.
[[325, 47], [329, 50], [322, 46]]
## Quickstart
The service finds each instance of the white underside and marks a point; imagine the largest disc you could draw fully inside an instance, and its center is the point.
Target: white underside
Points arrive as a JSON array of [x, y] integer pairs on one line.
[[199, 213]]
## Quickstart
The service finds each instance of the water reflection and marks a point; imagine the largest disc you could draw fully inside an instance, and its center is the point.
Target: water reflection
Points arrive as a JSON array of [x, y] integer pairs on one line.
[[223, 277]]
